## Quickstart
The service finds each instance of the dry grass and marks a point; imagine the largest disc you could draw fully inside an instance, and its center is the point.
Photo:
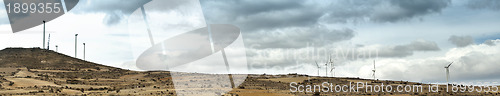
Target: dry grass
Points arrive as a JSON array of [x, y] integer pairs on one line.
[[24, 74], [8, 70], [254, 92], [29, 82], [290, 79], [15, 91], [135, 76], [37, 70]]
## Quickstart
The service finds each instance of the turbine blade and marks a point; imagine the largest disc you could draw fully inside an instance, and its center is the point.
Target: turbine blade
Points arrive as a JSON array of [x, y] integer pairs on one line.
[[333, 64], [317, 64], [450, 64]]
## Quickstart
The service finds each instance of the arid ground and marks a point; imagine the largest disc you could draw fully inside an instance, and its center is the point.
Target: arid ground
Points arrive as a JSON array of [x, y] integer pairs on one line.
[[34, 71]]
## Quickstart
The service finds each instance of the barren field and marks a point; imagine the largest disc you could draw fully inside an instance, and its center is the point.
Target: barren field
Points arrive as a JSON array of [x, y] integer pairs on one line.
[[29, 82], [24, 74]]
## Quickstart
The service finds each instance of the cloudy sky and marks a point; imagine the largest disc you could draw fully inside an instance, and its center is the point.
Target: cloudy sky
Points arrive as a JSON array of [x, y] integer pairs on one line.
[[409, 39]]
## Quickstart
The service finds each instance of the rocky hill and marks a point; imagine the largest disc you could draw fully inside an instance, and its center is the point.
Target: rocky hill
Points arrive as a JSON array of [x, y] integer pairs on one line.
[[36, 58]]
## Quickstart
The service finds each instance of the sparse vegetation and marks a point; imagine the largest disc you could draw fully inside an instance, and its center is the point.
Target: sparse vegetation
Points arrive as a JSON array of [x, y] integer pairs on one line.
[[64, 75]]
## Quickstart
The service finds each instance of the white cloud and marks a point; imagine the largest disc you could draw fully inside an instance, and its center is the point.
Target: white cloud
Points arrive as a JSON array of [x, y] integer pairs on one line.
[[471, 63], [474, 62]]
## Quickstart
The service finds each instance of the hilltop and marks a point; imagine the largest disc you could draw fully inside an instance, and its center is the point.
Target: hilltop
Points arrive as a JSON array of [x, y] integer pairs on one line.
[[35, 71], [36, 58]]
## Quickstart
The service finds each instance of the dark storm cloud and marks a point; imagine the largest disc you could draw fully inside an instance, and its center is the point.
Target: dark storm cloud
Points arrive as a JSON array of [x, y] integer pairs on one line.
[[298, 37], [259, 15], [383, 10], [259, 58], [422, 45], [112, 5], [408, 49], [272, 26], [116, 10], [252, 15], [413, 8], [484, 4], [461, 41], [259, 20], [236, 8]]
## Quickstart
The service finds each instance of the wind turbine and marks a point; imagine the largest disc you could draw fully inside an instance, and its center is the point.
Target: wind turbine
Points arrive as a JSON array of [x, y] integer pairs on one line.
[[43, 34], [76, 38], [83, 51], [447, 72], [332, 67], [317, 65], [373, 70], [151, 40]]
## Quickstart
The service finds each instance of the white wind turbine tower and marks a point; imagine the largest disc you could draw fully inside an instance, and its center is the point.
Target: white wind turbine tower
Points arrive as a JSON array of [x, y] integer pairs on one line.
[[48, 43], [317, 65], [151, 40], [326, 68], [43, 34], [373, 70], [447, 72], [332, 67]]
